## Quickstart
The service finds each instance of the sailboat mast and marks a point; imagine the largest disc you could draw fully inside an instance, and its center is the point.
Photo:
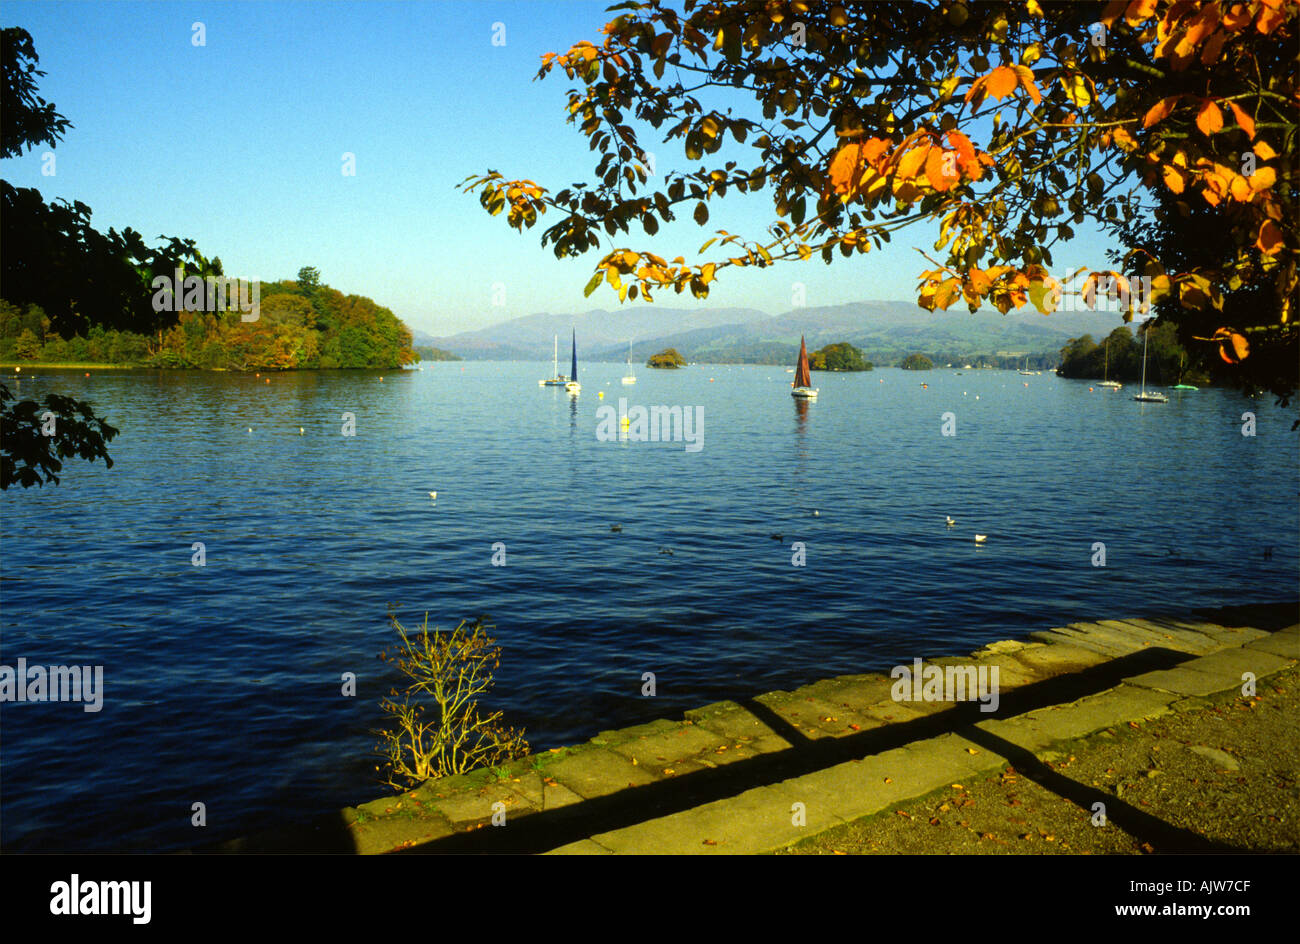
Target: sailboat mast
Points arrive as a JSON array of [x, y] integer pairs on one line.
[[555, 357], [573, 375], [1145, 334]]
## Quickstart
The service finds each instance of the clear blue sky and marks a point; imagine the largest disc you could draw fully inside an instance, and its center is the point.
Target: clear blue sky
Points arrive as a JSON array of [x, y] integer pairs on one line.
[[238, 145]]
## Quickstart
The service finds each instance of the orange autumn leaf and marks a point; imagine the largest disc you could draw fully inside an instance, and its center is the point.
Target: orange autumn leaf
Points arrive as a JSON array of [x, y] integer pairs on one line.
[[1262, 179], [1263, 151], [1246, 122], [1175, 178], [1209, 119], [1139, 10], [1160, 111], [1270, 239], [911, 162], [1236, 17], [1025, 76], [1001, 82], [846, 169], [936, 163]]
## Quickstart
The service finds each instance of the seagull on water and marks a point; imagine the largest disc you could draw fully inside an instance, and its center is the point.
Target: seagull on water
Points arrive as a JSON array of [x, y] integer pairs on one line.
[[949, 520], [981, 538], [433, 495]]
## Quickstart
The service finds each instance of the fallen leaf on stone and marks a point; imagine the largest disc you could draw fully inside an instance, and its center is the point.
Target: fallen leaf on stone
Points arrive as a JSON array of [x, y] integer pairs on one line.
[[710, 842], [633, 761], [889, 780], [855, 727], [903, 813], [956, 786], [944, 808], [971, 750], [668, 772], [935, 821]]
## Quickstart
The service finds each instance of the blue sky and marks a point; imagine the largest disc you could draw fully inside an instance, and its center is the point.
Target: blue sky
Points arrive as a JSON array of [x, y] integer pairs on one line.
[[239, 145]]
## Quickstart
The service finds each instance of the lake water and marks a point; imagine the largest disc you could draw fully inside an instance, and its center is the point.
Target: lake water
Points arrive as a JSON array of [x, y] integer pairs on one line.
[[222, 683]]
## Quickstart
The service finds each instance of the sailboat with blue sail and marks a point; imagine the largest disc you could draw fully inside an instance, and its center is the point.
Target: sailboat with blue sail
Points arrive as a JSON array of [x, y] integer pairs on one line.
[[573, 386]]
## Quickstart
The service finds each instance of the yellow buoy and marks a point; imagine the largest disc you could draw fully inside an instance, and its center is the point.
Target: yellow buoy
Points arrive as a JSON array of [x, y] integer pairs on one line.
[[600, 394]]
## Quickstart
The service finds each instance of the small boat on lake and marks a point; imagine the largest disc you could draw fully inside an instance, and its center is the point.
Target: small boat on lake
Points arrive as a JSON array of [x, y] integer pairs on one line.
[[1148, 396], [556, 379], [630, 378], [803, 388], [573, 386]]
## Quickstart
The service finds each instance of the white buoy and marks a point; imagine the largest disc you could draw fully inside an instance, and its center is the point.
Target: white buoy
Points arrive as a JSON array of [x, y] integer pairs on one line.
[[433, 495], [299, 430], [250, 429]]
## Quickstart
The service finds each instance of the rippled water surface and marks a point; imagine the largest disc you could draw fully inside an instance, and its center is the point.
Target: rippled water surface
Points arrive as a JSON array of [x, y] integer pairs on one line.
[[222, 682]]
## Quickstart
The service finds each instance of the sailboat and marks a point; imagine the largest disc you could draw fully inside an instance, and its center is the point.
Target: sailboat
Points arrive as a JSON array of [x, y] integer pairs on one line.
[[1144, 396], [1108, 382], [573, 386], [630, 378], [556, 379], [1026, 372], [803, 388]]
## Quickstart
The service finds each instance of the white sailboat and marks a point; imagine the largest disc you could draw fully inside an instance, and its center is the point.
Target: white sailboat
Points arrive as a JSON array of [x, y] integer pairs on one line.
[[1145, 396], [630, 378], [1026, 372], [556, 379], [1106, 373]]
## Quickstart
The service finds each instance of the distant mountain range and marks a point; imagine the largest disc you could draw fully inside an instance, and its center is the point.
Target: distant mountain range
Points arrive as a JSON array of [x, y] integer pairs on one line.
[[885, 331]]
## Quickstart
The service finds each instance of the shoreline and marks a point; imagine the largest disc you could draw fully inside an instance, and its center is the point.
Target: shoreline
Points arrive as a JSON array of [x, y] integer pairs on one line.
[[731, 771]]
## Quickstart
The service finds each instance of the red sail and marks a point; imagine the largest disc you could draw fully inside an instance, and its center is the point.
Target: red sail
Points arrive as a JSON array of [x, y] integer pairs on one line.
[[802, 377]]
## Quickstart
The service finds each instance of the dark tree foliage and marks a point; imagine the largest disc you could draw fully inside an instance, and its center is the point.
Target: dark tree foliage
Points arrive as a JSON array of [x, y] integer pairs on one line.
[[36, 437], [31, 449]]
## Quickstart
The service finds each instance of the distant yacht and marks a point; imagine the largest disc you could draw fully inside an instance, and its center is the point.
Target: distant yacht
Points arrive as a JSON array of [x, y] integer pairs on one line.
[[556, 379], [803, 388], [573, 386], [1026, 372], [1107, 382], [1148, 396], [631, 374]]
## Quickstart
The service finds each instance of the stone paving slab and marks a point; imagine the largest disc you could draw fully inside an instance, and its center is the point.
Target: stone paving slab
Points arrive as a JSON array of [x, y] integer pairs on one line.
[[1234, 662], [1058, 657], [1171, 637], [581, 847], [595, 772], [669, 746], [757, 820], [1121, 639], [1285, 644], [1119, 705], [1186, 680], [1108, 651]]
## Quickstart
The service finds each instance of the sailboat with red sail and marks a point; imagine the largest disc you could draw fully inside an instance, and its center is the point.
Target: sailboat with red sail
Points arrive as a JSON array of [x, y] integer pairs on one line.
[[803, 388]]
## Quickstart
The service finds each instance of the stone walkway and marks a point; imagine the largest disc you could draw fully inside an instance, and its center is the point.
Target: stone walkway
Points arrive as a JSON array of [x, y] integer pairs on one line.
[[760, 774]]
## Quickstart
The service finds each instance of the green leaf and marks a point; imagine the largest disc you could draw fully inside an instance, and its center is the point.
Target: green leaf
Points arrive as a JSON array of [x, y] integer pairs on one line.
[[594, 283], [708, 244]]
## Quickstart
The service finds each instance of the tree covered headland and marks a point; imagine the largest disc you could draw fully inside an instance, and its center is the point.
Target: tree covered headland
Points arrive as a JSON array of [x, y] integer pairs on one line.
[[300, 324], [1119, 357], [916, 362], [841, 356], [666, 359]]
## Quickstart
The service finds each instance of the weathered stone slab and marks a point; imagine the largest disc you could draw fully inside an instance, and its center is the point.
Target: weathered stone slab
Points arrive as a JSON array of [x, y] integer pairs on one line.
[[1285, 645], [859, 788], [1226, 635], [1231, 663], [581, 847], [1185, 680], [475, 806], [733, 721], [812, 717], [757, 820], [669, 745], [540, 794], [1119, 705], [595, 772], [1081, 641], [1167, 637], [1126, 642], [1059, 658]]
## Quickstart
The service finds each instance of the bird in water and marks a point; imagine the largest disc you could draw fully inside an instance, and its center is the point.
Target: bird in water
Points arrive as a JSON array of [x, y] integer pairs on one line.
[[665, 550], [433, 495], [616, 527], [777, 537], [949, 520], [981, 538]]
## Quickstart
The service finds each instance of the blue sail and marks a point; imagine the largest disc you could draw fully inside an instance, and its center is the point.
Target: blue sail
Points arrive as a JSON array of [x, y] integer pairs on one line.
[[573, 369]]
